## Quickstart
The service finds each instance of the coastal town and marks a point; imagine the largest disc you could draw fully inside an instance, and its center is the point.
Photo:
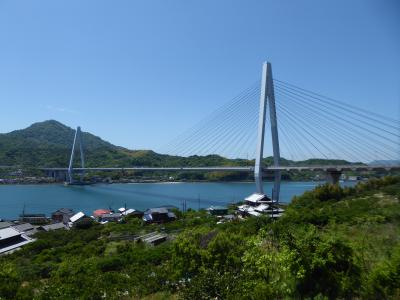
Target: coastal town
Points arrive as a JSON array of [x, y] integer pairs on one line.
[[14, 234]]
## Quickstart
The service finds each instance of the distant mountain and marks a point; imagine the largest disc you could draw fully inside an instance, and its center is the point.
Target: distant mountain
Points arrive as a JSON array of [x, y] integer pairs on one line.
[[48, 144], [385, 163]]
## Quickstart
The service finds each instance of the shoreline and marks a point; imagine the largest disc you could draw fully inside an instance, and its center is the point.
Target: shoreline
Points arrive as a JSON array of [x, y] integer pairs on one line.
[[151, 182]]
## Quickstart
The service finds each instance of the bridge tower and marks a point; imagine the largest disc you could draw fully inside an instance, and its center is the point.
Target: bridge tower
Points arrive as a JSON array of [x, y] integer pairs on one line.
[[77, 138], [267, 97]]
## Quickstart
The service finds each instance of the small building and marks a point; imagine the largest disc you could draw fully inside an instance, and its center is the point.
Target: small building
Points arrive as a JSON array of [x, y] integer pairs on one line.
[[36, 219], [55, 226], [62, 215], [133, 213], [217, 210], [130, 211], [247, 210], [80, 220], [153, 238], [77, 217], [158, 215], [110, 217], [99, 212], [257, 199], [11, 240]]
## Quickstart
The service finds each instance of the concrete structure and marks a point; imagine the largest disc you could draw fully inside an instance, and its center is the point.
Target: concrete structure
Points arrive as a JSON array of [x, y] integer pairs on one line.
[[77, 137], [333, 176], [267, 96]]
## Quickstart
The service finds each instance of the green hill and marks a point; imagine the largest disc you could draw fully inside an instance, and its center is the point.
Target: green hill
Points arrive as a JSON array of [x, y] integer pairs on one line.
[[48, 144]]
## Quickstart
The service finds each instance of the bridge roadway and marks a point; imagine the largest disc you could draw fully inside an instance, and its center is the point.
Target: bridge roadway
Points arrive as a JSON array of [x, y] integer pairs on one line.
[[325, 168]]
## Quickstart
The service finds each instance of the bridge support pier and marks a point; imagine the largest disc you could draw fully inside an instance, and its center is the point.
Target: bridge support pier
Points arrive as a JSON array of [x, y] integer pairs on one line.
[[333, 177], [57, 175]]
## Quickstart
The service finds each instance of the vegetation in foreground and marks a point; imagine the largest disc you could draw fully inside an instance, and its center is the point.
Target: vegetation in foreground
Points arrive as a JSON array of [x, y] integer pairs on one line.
[[331, 243]]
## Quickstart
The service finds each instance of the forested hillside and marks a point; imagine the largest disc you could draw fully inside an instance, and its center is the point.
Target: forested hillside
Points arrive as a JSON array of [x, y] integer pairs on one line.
[[48, 144], [331, 243]]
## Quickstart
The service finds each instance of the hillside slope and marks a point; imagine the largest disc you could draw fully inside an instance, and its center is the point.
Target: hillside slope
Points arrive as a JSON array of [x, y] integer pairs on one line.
[[48, 144]]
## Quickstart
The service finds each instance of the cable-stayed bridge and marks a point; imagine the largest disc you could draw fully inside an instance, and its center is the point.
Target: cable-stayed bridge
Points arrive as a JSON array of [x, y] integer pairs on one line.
[[303, 125]]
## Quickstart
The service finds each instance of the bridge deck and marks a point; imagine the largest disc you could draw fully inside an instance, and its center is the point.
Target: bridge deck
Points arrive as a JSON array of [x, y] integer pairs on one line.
[[242, 169]]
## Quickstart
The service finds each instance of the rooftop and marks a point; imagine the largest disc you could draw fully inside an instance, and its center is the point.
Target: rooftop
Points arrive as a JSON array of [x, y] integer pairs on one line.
[[64, 211], [54, 226], [157, 210], [256, 197], [101, 211], [217, 207], [6, 233], [5, 224], [128, 211], [23, 227], [77, 216], [12, 239]]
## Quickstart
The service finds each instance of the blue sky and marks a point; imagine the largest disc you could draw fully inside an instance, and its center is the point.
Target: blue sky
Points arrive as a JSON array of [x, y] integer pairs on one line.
[[138, 73]]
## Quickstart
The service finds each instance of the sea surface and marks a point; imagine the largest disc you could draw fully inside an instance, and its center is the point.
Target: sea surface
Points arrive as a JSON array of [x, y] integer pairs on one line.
[[48, 198]]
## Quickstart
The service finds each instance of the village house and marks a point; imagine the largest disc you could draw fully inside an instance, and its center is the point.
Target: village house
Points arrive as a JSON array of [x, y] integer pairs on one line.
[[101, 211], [257, 199], [217, 210], [11, 240], [110, 217], [36, 219], [131, 212], [79, 219], [62, 215], [158, 215]]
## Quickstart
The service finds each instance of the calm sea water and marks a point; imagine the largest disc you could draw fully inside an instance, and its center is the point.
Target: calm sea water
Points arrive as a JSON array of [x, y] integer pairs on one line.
[[48, 198]]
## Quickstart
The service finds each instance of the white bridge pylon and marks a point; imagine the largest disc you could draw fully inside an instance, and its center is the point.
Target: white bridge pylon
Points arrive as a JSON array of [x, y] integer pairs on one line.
[[267, 100], [77, 138]]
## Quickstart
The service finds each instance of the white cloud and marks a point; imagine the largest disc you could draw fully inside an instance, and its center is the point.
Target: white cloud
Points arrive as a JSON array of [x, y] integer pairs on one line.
[[61, 109]]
